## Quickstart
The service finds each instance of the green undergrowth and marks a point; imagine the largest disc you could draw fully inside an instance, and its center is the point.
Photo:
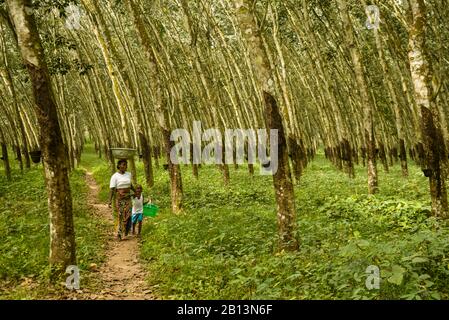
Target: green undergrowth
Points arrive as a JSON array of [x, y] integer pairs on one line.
[[224, 244], [24, 226]]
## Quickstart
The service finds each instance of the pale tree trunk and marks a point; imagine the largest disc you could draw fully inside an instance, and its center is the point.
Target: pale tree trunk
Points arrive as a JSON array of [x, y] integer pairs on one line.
[[366, 102], [5, 156], [9, 83], [157, 155], [105, 46], [296, 157], [421, 71], [282, 179], [160, 111], [209, 97], [147, 162], [54, 152], [394, 102], [174, 171], [194, 166], [19, 157]]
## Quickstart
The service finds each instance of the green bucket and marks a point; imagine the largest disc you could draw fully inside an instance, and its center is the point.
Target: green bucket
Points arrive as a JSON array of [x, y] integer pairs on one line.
[[150, 210]]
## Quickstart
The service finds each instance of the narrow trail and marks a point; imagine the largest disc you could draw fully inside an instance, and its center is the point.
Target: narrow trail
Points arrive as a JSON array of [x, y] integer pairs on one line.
[[121, 276]]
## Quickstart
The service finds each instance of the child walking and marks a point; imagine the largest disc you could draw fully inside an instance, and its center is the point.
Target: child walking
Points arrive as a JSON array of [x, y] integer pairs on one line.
[[137, 210]]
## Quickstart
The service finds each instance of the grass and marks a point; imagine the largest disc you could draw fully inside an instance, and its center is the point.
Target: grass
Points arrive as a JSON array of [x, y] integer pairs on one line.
[[24, 225], [223, 246]]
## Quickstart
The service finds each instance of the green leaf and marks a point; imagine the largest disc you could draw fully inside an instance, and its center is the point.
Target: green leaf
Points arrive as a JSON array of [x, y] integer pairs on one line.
[[397, 275], [363, 243], [436, 295], [419, 260]]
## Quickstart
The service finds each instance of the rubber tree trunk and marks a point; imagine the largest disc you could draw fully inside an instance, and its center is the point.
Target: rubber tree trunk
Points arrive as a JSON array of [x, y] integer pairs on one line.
[[282, 178], [224, 167], [19, 157], [54, 152], [9, 82], [394, 101], [6, 161], [251, 169], [366, 102], [161, 111], [403, 157], [194, 166], [434, 153], [147, 160], [175, 175], [383, 157], [347, 156], [157, 154], [295, 153]]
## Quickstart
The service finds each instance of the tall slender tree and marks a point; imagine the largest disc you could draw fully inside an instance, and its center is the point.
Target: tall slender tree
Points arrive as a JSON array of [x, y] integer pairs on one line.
[[54, 152], [421, 70]]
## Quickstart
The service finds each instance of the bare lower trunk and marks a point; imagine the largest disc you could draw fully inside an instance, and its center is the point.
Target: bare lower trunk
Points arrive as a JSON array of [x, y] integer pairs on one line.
[[403, 157], [195, 171], [54, 152], [433, 139], [282, 180], [372, 165], [346, 155], [157, 155], [355, 156], [225, 171], [363, 153], [296, 154], [225, 167], [236, 165], [26, 155], [175, 175], [366, 103], [147, 163], [251, 169], [383, 157], [391, 158], [337, 158], [434, 158], [19, 158], [6, 161], [194, 165], [132, 165]]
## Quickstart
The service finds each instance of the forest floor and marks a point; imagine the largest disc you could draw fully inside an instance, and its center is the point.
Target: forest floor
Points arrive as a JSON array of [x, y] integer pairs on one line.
[[121, 276], [224, 245]]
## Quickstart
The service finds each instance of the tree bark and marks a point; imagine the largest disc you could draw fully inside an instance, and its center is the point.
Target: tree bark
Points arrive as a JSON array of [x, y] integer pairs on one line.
[[147, 160], [282, 179], [175, 175], [5, 160], [54, 152], [365, 99], [433, 143], [19, 157], [296, 157], [161, 111], [403, 157]]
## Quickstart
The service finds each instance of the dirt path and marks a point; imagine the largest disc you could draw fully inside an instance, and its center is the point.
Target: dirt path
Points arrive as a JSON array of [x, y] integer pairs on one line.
[[121, 276]]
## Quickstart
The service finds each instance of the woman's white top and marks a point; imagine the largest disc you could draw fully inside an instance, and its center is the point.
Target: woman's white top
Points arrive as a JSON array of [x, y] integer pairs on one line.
[[138, 204], [120, 181]]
